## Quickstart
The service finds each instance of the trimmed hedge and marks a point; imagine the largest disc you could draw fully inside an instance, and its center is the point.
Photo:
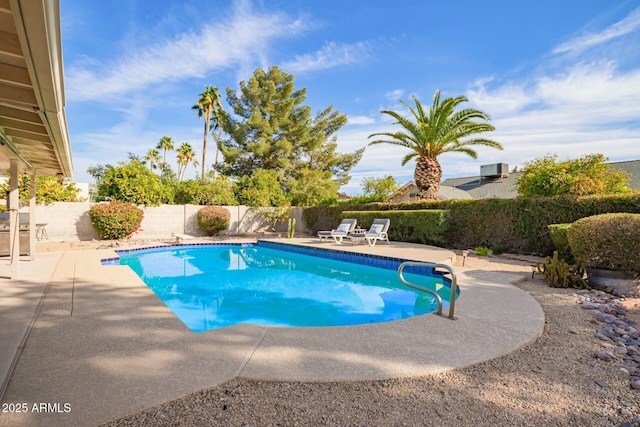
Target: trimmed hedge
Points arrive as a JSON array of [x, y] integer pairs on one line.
[[115, 220], [505, 225], [418, 226], [608, 241], [213, 219]]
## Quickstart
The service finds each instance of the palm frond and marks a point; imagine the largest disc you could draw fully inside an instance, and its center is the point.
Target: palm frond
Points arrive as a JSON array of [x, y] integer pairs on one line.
[[439, 130], [408, 157]]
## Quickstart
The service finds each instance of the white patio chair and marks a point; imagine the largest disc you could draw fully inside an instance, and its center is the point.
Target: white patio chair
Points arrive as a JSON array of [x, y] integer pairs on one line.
[[378, 231], [339, 233]]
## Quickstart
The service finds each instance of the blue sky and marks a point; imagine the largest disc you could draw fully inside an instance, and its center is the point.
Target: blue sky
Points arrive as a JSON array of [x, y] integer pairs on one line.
[[556, 77]]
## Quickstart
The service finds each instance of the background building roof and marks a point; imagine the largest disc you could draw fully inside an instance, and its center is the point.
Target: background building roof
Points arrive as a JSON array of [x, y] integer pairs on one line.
[[502, 187]]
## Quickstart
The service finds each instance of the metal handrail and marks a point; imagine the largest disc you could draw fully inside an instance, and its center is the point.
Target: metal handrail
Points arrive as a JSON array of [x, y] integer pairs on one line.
[[454, 283]]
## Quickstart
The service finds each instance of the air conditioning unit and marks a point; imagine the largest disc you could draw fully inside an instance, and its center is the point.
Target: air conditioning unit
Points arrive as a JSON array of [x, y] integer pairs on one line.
[[494, 170]]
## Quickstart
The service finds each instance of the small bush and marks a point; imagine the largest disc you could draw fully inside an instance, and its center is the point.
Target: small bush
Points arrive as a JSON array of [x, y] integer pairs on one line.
[[560, 238], [213, 219], [483, 251], [115, 220], [607, 241]]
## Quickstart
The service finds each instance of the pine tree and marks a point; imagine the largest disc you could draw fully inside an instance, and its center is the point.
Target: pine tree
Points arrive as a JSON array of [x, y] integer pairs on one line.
[[274, 130]]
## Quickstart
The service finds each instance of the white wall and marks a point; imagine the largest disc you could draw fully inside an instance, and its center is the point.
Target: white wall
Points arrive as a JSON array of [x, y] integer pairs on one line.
[[67, 221]]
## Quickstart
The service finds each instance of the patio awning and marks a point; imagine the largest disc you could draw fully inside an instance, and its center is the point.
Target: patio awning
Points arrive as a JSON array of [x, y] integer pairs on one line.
[[33, 125]]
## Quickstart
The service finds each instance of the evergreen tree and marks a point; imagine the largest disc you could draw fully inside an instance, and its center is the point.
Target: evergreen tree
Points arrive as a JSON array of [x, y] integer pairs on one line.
[[273, 130]]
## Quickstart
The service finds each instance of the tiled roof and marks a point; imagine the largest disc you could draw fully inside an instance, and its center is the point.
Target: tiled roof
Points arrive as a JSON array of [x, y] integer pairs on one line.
[[446, 192], [485, 188]]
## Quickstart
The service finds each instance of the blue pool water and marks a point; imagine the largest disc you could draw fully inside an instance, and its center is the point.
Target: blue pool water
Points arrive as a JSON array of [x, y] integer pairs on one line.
[[214, 286]]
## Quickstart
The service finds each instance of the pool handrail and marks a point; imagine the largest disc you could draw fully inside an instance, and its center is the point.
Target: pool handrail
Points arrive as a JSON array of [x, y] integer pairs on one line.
[[454, 283]]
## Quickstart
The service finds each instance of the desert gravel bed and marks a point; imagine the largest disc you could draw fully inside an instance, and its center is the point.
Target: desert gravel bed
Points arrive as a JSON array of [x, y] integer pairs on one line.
[[555, 381]]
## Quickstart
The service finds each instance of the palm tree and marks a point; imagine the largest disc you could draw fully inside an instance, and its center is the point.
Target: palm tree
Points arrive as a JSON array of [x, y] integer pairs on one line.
[[186, 155], [216, 120], [208, 102], [439, 131], [153, 157], [166, 144]]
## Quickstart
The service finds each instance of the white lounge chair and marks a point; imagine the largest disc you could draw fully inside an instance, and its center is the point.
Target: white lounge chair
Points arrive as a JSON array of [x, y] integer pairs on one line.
[[340, 232], [181, 237], [378, 231]]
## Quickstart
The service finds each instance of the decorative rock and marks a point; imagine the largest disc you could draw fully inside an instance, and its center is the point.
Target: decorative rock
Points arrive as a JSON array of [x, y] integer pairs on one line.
[[625, 412], [590, 306], [604, 317], [620, 350], [618, 335], [603, 355]]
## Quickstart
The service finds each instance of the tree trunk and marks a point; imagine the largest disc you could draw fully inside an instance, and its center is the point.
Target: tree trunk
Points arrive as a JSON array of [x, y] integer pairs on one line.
[[204, 144], [215, 165], [428, 175]]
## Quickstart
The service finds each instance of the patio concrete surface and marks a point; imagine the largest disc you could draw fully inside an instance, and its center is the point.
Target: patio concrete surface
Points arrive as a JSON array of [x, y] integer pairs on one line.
[[103, 345]]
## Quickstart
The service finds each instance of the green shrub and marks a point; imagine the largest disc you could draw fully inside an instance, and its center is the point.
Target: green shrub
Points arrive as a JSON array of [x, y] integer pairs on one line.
[[418, 226], [213, 219], [488, 222], [195, 192], [133, 182], [483, 251], [48, 190], [607, 241], [513, 225], [560, 238], [115, 220]]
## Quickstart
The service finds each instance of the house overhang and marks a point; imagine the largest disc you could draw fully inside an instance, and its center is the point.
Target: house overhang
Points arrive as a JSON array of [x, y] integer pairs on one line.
[[33, 124]]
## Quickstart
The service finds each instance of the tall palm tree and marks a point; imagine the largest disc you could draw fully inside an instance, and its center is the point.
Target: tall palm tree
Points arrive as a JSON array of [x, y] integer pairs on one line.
[[438, 131], [208, 102], [186, 155], [153, 157], [216, 120], [166, 144]]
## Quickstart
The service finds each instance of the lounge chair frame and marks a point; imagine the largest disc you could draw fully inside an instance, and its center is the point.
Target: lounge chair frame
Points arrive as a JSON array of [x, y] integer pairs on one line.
[[338, 236], [372, 237]]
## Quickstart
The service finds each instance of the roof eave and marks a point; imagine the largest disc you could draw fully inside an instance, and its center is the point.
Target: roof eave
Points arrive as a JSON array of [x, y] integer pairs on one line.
[[39, 20]]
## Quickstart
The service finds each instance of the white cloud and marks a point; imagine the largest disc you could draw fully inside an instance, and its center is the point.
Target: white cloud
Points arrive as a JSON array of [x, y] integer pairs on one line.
[[394, 95], [331, 55], [630, 24], [239, 40], [583, 109], [505, 100], [360, 120]]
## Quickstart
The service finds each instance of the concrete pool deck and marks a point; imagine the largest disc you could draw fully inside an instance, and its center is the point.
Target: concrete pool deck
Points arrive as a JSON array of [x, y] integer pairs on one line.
[[104, 344]]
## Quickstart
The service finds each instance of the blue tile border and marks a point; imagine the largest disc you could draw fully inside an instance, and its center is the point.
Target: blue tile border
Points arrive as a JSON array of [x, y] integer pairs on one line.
[[371, 260]]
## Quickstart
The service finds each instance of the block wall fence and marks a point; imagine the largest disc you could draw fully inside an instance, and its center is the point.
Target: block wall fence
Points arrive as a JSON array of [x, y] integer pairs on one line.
[[69, 221]]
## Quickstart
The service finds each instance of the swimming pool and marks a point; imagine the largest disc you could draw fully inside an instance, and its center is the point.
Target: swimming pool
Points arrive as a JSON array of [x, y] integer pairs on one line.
[[217, 285]]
